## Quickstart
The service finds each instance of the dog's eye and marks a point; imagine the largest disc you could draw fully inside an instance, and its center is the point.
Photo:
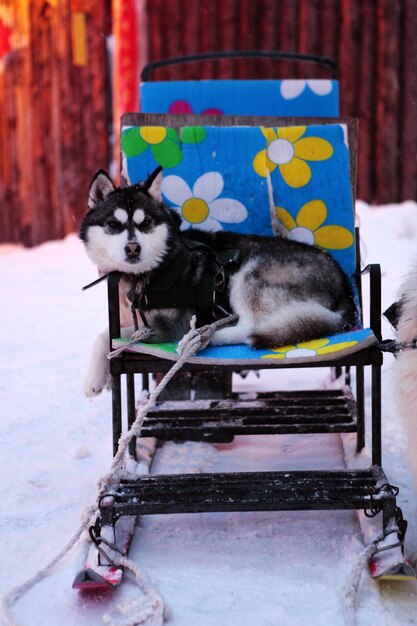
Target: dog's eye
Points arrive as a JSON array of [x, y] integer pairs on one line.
[[145, 223], [114, 225]]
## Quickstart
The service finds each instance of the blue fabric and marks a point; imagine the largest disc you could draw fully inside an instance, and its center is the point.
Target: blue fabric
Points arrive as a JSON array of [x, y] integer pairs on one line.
[[334, 346], [329, 183], [238, 199], [228, 152], [312, 98]]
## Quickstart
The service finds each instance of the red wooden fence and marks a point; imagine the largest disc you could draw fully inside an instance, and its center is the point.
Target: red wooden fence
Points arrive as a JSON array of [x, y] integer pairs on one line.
[[54, 115], [55, 103], [373, 41]]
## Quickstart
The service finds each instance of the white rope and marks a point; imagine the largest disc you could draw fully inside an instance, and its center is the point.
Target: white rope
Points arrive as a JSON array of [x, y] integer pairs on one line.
[[351, 587], [9, 599], [134, 612], [190, 344], [138, 335]]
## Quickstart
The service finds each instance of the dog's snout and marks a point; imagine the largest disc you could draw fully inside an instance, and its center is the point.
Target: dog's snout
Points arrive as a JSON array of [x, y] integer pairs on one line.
[[132, 249]]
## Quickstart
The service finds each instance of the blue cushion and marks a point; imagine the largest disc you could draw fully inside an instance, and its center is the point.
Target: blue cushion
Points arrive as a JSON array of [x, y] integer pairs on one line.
[[217, 178], [333, 347], [312, 98], [208, 174]]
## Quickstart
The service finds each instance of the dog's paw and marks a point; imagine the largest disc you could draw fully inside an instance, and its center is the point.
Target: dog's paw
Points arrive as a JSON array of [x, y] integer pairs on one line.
[[95, 382], [98, 373]]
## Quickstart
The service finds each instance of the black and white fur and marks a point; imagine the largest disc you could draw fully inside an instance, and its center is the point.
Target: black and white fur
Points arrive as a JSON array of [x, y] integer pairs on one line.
[[405, 367], [283, 291]]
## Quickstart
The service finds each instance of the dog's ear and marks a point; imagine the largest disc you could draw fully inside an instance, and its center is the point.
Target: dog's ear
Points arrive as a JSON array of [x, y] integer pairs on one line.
[[153, 184], [100, 187]]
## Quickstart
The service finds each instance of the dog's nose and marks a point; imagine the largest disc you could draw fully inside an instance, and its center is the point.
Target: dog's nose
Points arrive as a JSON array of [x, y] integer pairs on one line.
[[132, 249]]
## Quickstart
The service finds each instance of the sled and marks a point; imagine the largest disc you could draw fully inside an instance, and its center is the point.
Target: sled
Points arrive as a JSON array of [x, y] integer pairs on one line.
[[190, 146]]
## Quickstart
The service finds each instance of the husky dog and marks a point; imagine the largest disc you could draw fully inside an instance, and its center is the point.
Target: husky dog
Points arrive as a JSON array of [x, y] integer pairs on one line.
[[283, 291], [405, 367]]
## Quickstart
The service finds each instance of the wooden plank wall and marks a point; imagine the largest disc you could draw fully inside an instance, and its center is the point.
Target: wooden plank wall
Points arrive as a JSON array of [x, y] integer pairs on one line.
[[54, 118], [373, 41]]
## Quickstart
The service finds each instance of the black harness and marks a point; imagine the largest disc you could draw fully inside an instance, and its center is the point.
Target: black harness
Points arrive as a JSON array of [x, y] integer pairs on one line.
[[393, 346], [170, 286]]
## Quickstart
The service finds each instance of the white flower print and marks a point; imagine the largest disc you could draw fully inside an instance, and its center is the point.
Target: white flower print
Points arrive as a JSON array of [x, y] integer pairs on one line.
[[200, 206], [293, 88]]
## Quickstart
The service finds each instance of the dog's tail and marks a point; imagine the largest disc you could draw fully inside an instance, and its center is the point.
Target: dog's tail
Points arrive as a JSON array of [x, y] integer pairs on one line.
[[295, 323]]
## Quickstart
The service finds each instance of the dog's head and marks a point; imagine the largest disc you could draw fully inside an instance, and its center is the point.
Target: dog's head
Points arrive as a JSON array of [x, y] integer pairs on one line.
[[128, 229]]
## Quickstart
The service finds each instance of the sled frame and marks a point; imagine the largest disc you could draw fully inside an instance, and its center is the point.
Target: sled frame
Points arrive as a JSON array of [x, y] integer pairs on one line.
[[365, 489]]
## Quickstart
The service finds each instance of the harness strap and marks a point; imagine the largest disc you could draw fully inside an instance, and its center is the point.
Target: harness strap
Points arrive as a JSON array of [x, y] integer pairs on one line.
[[390, 345], [97, 281], [169, 287]]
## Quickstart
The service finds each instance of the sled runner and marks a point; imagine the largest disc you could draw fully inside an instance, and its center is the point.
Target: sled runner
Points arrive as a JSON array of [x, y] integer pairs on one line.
[[280, 175]]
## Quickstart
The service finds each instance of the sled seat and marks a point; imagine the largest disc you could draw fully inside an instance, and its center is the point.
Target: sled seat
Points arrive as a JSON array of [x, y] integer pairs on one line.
[[317, 350]]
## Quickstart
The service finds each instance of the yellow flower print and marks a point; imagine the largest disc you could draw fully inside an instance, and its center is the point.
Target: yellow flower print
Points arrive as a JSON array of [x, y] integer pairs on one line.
[[288, 150], [307, 227], [308, 349], [164, 143]]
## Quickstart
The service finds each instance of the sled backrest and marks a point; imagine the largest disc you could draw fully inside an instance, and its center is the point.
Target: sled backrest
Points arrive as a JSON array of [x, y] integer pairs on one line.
[[285, 97], [252, 175], [298, 97]]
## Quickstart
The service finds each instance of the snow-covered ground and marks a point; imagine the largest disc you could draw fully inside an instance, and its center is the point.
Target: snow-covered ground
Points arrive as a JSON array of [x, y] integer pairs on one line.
[[246, 569]]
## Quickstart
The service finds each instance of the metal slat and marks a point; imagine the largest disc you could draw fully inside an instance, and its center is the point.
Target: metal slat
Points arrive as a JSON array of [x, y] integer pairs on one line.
[[364, 475], [204, 433], [276, 413], [227, 493], [244, 491], [300, 398], [314, 410]]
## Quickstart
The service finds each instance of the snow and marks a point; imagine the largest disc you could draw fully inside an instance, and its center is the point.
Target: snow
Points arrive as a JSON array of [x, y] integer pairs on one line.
[[266, 568]]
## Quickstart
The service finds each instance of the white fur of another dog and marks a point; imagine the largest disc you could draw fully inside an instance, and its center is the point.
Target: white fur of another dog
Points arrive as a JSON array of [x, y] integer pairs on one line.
[[405, 368]]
